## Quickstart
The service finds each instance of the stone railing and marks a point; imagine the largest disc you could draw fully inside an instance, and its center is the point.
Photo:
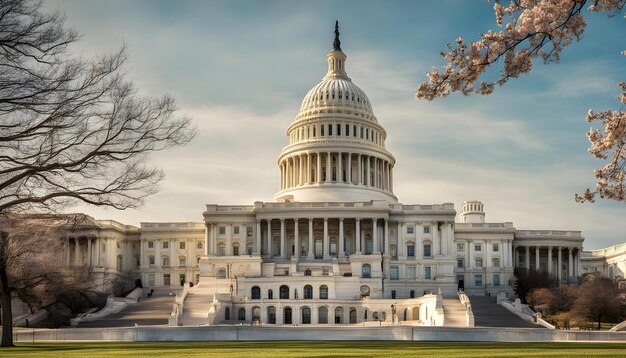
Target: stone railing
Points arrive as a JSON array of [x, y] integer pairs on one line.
[[113, 305], [469, 314], [524, 312], [619, 327], [177, 310]]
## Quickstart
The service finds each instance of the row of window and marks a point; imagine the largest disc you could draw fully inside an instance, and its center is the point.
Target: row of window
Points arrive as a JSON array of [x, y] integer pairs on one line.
[[165, 260], [336, 130], [479, 282], [284, 293], [236, 230], [410, 230], [477, 247], [394, 272], [167, 279], [322, 315], [182, 245], [478, 263]]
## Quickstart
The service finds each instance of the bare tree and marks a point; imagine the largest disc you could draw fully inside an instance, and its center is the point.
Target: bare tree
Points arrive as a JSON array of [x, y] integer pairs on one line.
[[537, 29], [598, 298], [71, 129]]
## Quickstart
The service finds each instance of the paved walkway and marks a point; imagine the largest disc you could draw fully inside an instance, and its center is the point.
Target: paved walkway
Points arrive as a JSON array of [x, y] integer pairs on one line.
[[487, 313], [454, 312], [149, 311]]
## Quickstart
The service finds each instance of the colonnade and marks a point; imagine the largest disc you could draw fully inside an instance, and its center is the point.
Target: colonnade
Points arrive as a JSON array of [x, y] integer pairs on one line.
[[530, 251], [85, 251], [336, 167]]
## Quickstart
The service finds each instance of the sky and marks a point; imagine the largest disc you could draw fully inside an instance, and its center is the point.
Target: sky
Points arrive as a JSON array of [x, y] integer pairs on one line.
[[240, 69]]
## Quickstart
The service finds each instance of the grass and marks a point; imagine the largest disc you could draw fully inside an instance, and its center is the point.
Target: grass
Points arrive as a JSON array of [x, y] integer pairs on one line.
[[316, 349]]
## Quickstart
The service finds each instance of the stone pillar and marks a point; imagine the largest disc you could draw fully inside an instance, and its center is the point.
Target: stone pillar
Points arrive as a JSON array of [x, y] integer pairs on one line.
[[342, 251], [349, 167], [311, 253], [76, 252], [99, 249], [207, 232], [269, 237], [340, 167], [296, 241], [435, 233], [357, 235], [550, 260], [309, 179], [578, 267], [157, 256], [329, 171], [142, 252], [367, 172], [419, 246], [570, 263], [89, 251], [282, 238], [401, 231], [359, 177], [470, 257], [391, 179], [257, 247], [537, 251], [559, 262], [386, 237], [326, 245], [376, 248], [527, 258], [229, 240]]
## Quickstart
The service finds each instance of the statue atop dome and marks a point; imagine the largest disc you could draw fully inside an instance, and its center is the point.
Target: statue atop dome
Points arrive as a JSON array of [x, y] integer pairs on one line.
[[337, 43]]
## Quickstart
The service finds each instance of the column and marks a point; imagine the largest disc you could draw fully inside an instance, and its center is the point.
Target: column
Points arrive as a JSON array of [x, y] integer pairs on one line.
[[435, 233], [269, 238], [359, 176], [376, 248], [357, 235], [340, 168], [309, 179], [386, 237], [282, 172], [99, 248], [142, 252], [470, 257], [89, 251], [537, 249], [550, 260], [257, 247], [401, 242], [296, 241], [207, 230], [350, 167], [319, 168], [578, 267], [342, 251], [391, 178], [157, 257], [325, 250], [173, 257], [527, 258], [419, 246], [229, 240], [329, 171], [282, 238], [311, 241], [559, 262], [367, 172], [570, 263], [76, 252]]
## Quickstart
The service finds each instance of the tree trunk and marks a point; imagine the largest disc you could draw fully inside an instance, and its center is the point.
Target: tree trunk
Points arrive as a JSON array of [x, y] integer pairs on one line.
[[5, 296], [599, 323]]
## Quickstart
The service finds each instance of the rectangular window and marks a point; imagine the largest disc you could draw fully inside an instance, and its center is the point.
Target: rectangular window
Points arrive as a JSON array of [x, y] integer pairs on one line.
[[409, 229], [165, 244], [367, 133], [182, 261], [250, 250], [496, 248], [478, 280], [477, 247], [199, 245], [330, 129], [347, 130], [354, 130], [394, 273], [314, 131], [236, 230], [410, 272], [426, 229], [166, 279], [182, 245], [496, 280], [361, 132], [410, 250], [235, 250], [427, 272], [460, 263], [150, 244], [479, 263], [427, 250], [151, 260], [338, 129], [393, 294], [333, 247], [322, 130], [221, 251], [182, 279], [249, 231], [150, 279], [222, 230], [460, 247]]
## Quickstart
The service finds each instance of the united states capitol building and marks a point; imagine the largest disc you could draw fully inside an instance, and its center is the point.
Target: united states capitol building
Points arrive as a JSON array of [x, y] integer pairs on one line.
[[335, 246]]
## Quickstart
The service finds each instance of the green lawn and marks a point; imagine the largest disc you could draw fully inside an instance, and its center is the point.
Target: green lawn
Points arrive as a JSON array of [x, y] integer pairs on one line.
[[315, 349]]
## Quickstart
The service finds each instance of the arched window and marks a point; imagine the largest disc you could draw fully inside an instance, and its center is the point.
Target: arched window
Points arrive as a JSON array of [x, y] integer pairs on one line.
[[256, 293], [235, 250], [221, 249], [306, 315], [270, 294], [495, 262], [426, 250], [323, 292], [366, 271], [221, 273], [307, 272], [256, 314], [271, 315], [241, 315], [227, 314], [308, 292], [322, 316], [151, 260], [352, 315], [338, 315], [287, 315], [165, 261], [284, 292], [412, 294]]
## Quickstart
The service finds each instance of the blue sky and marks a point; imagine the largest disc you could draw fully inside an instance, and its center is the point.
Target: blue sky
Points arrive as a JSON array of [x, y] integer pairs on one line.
[[241, 69]]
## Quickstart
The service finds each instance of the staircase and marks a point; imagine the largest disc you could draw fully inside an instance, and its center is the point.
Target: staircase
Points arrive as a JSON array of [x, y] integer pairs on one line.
[[198, 306], [453, 312], [487, 313]]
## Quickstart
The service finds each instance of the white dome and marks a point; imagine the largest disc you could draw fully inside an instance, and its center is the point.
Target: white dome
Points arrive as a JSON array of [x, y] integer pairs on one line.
[[336, 92]]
